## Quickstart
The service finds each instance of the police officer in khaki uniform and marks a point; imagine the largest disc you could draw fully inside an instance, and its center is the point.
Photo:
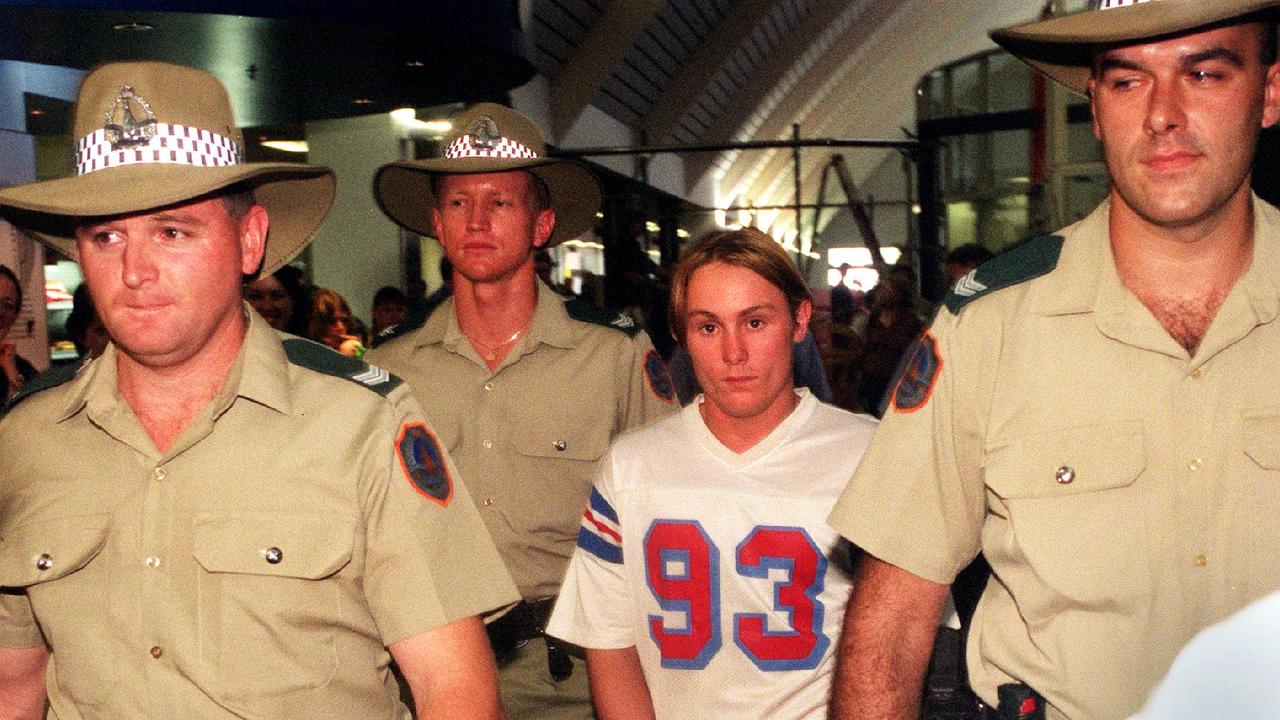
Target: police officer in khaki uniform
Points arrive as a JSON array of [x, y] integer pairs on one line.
[[212, 521], [1094, 410], [526, 389]]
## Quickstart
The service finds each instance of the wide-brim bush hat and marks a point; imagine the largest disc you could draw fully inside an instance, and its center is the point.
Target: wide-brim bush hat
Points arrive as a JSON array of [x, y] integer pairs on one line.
[[1063, 48], [488, 138], [149, 135]]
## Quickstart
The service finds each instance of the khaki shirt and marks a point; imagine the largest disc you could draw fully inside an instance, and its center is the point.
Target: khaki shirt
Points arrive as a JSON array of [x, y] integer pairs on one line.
[[527, 436], [1125, 493], [256, 569]]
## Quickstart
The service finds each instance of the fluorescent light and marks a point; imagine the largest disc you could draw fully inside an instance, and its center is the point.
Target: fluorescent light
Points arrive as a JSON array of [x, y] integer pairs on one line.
[[293, 146]]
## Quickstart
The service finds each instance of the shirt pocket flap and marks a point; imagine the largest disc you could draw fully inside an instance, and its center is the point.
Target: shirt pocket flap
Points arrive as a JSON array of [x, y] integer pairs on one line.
[[1261, 429], [1068, 461], [562, 445], [282, 544], [50, 549]]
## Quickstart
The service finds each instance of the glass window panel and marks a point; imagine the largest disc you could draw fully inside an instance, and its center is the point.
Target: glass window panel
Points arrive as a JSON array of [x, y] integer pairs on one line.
[[1010, 84]]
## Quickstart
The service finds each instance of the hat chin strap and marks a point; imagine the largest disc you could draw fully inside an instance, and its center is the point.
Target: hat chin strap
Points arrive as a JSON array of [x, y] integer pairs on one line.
[[171, 144]]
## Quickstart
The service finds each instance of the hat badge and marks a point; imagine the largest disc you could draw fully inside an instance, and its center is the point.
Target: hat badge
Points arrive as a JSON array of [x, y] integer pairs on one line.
[[122, 126], [484, 133]]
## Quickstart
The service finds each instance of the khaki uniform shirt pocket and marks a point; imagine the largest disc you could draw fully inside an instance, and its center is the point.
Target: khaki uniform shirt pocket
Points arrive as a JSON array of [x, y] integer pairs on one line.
[[49, 560], [269, 602], [1262, 437], [1072, 511]]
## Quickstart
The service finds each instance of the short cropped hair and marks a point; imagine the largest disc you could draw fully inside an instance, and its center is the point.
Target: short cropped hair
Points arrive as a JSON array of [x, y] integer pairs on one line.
[[747, 248], [237, 200]]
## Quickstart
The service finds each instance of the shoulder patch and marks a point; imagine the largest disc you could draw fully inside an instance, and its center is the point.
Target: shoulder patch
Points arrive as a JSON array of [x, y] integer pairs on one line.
[[51, 378], [1031, 259], [584, 311], [914, 385], [423, 463], [414, 320], [322, 359], [655, 371]]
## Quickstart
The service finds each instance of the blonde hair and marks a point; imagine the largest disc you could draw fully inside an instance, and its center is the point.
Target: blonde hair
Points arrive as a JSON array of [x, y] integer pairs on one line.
[[747, 248]]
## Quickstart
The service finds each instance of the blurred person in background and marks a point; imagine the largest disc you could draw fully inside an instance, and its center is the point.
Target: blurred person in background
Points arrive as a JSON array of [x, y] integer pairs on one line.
[[331, 323], [281, 298], [15, 371]]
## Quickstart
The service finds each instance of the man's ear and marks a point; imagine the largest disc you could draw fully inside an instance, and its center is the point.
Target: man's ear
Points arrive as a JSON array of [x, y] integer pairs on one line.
[[803, 313], [1271, 99], [543, 226], [253, 239]]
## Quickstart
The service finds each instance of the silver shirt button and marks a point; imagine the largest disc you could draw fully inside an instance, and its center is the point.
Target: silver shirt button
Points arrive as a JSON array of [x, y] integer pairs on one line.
[[273, 555], [1064, 475], [560, 445], [44, 562]]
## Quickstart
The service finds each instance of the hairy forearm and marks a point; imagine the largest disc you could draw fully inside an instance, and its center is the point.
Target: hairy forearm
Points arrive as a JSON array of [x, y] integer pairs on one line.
[[888, 633], [618, 688], [450, 672]]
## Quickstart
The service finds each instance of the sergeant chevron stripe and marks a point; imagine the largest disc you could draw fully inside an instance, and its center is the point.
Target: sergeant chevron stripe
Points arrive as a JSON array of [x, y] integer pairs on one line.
[[374, 375], [968, 285]]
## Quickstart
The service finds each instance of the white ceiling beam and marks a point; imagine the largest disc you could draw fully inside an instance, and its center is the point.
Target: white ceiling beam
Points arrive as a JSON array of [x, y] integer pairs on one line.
[[605, 43], [701, 66]]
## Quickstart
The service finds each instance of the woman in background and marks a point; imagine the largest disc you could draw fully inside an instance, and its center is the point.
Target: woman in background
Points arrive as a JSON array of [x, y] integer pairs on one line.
[[15, 371]]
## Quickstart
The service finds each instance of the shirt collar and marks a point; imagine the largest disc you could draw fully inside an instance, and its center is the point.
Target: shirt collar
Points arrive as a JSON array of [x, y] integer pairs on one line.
[[1086, 279], [260, 373], [548, 325]]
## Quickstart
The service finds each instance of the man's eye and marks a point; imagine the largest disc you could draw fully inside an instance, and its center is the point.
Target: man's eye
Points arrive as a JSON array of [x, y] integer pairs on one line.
[[755, 323], [706, 328], [105, 237]]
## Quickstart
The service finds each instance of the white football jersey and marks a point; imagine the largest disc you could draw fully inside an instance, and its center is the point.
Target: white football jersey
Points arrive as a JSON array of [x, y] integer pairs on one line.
[[719, 567]]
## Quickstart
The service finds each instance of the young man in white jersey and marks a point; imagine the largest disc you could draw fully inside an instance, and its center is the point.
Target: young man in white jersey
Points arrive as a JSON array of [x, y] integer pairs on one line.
[[706, 582]]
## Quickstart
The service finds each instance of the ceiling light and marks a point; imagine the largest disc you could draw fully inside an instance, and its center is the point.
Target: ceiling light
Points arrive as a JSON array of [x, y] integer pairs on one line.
[[37, 112], [415, 64], [291, 146], [362, 101], [133, 27]]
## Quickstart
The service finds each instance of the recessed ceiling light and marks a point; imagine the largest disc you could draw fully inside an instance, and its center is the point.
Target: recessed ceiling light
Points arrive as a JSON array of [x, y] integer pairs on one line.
[[37, 112], [415, 64], [133, 27], [362, 101]]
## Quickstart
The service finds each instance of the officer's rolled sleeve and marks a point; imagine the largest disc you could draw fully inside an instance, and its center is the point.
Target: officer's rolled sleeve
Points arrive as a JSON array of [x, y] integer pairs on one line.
[[428, 563], [18, 628], [649, 395], [917, 499]]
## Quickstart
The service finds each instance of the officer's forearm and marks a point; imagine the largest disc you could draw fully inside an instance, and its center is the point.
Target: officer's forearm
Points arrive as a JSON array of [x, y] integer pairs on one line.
[[889, 626], [22, 682]]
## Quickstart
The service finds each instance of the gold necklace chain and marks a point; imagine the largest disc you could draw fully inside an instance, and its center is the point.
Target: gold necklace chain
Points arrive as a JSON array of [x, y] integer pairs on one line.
[[492, 353]]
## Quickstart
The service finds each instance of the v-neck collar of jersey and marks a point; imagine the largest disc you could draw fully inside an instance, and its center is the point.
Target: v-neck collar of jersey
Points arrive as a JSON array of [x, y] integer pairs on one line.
[[692, 417]]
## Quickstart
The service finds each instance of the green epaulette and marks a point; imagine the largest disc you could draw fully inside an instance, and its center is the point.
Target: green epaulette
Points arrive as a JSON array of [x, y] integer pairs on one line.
[[1031, 259], [51, 378], [323, 359], [412, 321], [584, 311]]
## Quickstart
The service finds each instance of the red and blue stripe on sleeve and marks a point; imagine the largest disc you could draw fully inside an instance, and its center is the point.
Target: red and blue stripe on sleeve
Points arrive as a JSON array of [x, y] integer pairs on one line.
[[600, 533]]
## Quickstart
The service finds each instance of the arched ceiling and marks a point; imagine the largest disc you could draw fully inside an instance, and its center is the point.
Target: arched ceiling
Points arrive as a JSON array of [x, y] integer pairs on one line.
[[685, 72]]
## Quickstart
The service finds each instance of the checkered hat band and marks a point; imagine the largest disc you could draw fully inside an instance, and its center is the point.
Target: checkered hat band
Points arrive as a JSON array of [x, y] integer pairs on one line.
[[173, 144], [1109, 4], [463, 147]]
